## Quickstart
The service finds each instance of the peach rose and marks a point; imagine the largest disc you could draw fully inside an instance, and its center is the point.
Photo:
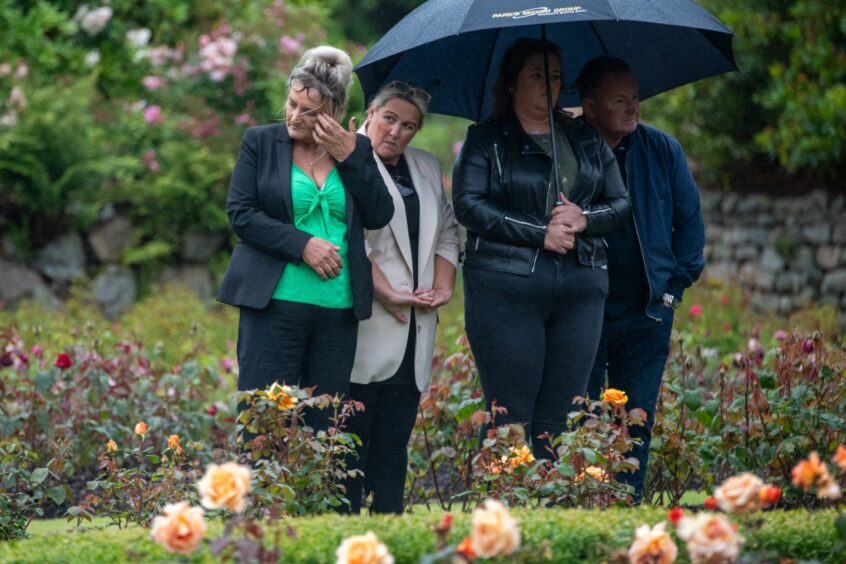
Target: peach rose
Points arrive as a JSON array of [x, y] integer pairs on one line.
[[111, 446], [173, 444], [615, 397], [225, 486], [840, 458], [710, 538], [740, 494], [494, 532], [363, 549], [180, 529], [281, 395], [141, 428], [653, 546], [596, 473]]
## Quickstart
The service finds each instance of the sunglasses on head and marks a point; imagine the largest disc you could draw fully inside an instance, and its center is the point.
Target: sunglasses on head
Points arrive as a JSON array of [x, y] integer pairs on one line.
[[405, 89]]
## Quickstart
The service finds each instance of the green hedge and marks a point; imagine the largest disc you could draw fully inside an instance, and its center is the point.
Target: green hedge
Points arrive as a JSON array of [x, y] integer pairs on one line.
[[574, 536]]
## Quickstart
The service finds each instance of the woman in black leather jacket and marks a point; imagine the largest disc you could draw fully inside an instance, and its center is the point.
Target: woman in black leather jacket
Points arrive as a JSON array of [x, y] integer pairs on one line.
[[535, 277]]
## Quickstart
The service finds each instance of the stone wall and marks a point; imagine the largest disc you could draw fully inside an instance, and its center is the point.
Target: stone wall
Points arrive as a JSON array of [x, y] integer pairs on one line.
[[787, 252], [93, 260]]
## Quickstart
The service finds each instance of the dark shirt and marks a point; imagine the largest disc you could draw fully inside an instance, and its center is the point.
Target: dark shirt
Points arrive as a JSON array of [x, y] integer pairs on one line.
[[628, 288], [401, 176]]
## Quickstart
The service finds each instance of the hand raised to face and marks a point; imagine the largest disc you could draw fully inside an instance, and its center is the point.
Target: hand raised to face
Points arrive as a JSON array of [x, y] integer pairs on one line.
[[329, 134]]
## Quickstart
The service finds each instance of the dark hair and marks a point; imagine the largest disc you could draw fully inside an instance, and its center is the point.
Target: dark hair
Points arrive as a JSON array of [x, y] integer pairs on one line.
[[595, 70], [512, 63]]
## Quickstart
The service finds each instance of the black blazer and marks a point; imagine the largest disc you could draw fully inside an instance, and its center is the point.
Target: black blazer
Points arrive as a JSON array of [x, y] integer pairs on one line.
[[260, 210]]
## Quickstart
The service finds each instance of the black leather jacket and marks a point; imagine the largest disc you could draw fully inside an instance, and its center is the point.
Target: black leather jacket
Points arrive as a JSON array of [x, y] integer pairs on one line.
[[500, 185]]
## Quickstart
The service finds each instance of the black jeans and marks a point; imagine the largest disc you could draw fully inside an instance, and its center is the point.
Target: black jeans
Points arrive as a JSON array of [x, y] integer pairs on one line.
[[634, 351], [297, 344], [384, 428], [534, 339]]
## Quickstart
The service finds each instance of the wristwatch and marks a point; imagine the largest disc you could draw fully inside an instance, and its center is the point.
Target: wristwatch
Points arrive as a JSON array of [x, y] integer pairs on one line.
[[670, 301]]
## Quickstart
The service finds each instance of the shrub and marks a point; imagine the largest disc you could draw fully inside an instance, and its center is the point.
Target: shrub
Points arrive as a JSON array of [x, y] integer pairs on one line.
[[573, 535]]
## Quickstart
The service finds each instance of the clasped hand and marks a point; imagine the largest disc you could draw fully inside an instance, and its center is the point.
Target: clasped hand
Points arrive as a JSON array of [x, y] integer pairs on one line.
[[567, 220], [427, 299], [322, 256]]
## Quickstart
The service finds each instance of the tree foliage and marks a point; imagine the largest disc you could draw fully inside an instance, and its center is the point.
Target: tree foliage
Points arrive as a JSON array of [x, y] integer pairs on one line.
[[786, 108]]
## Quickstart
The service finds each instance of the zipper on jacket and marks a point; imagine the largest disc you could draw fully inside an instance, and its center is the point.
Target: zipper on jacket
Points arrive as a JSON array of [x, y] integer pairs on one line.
[[642, 255], [535, 261], [496, 158], [527, 224], [478, 239]]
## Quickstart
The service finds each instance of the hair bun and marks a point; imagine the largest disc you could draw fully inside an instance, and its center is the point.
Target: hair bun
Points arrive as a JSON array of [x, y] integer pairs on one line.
[[331, 57]]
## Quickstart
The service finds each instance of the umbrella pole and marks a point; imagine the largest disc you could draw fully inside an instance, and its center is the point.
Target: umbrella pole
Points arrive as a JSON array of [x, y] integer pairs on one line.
[[549, 107]]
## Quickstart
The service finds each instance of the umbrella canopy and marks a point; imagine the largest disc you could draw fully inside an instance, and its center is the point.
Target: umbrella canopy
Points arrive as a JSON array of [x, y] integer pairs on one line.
[[452, 48]]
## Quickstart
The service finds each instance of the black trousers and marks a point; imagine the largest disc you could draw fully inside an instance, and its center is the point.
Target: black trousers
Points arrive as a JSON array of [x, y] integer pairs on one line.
[[384, 428], [297, 344], [534, 339]]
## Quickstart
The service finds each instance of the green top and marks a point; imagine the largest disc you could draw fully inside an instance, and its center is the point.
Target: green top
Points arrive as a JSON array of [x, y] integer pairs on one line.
[[321, 213], [568, 165]]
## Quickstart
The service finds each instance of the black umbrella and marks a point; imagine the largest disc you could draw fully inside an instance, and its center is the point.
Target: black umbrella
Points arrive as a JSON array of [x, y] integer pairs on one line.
[[452, 48]]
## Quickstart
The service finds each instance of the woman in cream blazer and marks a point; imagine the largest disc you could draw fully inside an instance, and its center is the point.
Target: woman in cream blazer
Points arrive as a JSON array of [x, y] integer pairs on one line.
[[414, 263]]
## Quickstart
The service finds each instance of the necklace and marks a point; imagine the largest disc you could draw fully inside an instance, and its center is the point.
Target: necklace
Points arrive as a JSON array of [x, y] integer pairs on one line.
[[323, 154]]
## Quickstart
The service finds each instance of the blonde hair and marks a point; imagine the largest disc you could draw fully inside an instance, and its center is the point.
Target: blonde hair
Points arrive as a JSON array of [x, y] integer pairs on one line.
[[393, 90], [328, 70]]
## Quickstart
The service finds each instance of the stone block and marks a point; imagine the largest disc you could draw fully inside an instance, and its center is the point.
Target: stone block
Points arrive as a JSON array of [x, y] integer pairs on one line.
[[62, 260]]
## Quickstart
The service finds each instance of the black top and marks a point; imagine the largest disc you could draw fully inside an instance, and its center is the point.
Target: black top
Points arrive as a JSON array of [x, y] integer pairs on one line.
[[627, 286], [401, 176]]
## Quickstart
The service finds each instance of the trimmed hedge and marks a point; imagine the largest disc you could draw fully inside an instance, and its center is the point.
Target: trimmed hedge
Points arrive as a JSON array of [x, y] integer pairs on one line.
[[574, 536]]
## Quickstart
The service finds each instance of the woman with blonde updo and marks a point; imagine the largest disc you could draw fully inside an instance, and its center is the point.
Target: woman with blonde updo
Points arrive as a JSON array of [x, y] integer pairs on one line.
[[302, 194]]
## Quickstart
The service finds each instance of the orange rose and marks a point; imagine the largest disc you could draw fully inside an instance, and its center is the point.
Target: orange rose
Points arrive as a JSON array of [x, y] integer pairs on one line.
[[173, 442], [494, 532], [363, 549], [615, 397], [465, 548], [111, 446], [141, 428], [180, 529], [770, 495], [225, 486], [808, 471], [281, 395], [520, 456], [653, 546], [709, 538], [812, 472], [740, 494], [840, 458]]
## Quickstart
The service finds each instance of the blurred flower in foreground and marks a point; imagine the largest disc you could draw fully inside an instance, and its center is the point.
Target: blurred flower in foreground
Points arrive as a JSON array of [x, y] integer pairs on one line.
[[709, 538], [494, 532], [363, 549], [180, 529], [225, 486], [653, 545]]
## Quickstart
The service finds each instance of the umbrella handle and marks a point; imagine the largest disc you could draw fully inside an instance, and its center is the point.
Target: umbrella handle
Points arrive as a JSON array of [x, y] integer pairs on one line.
[[552, 136]]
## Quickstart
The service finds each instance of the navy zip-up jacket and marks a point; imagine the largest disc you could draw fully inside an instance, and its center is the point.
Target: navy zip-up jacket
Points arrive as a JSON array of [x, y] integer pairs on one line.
[[667, 215]]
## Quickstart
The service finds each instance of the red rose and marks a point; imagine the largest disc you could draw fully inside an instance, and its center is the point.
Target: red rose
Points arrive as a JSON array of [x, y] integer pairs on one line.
[[63, 361], [675, 515], [710, 503], [212, 410]]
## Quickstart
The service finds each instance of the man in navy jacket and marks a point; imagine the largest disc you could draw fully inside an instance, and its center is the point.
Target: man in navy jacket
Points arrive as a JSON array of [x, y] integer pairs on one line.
[[653, 258]]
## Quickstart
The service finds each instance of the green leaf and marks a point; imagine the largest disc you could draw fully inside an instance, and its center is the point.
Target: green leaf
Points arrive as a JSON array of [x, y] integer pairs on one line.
[[39, 475], [57, 494], [840, 526], [43, 380], [692, 399]]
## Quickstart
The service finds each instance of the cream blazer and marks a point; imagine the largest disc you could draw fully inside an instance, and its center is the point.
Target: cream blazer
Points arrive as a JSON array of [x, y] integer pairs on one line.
[[382, 339]]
